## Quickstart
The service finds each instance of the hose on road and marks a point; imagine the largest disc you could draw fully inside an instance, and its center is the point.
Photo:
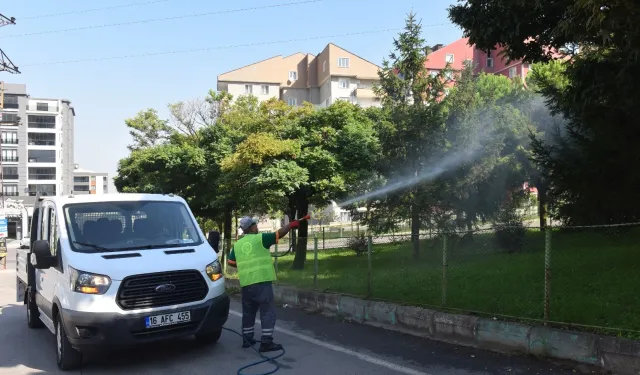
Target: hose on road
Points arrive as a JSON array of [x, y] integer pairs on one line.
[[264, 359]]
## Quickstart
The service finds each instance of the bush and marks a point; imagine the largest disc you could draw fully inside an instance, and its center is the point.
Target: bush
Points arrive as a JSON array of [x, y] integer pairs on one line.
[[510, 232], [358, 243]]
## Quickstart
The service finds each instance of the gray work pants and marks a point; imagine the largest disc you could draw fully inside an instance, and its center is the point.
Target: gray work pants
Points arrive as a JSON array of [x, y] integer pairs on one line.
[[254, 297]]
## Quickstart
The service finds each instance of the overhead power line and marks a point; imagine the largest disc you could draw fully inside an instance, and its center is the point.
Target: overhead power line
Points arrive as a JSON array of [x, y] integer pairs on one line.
[[175, 52], [94, 9], [281, 5]]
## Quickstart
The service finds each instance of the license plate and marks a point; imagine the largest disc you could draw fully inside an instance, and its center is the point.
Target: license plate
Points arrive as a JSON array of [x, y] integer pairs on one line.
[[167, 319]]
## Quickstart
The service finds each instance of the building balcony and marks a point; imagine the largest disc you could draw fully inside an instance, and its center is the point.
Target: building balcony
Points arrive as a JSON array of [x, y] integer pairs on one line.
[[10, 177], [9, 141], [41, 108], [9, 159], [10, 194], [41, 143], [42, 160]]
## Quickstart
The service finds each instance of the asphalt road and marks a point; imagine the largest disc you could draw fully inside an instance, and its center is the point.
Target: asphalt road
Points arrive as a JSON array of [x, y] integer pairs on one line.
[[315, 345]]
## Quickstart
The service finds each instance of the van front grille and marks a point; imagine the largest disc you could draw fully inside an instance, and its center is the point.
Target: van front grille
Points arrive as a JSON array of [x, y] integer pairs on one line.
[[161, 289]]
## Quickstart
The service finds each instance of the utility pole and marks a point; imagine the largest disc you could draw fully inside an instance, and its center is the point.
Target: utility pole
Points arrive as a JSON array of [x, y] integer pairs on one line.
[[6, 65]]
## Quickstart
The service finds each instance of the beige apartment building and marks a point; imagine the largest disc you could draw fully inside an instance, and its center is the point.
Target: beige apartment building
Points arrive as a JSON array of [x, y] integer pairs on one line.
[[334, 74]]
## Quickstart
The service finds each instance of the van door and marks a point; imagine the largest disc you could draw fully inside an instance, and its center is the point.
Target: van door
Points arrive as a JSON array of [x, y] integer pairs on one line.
[[51, 277]]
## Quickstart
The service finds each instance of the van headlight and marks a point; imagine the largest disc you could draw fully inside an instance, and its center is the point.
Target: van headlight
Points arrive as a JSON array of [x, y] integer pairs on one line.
[[214, 270], [89, 283]]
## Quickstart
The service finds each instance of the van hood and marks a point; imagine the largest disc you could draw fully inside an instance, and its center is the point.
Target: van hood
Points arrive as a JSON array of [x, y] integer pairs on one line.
[[118, 265]]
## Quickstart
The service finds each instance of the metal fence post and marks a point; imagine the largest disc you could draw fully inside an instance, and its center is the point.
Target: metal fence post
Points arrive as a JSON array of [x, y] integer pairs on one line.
[[369, 266], [315, 261], [547, 272], [444, 269], [323, 238]]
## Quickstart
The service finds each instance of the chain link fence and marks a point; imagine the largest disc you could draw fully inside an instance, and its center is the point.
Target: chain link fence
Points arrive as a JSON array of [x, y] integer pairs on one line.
[[580, 276]]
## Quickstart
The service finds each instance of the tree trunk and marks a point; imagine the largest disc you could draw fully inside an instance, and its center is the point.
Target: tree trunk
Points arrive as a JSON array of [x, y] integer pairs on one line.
[[227, 229], [542, 206], [415, 228], [302, 206]]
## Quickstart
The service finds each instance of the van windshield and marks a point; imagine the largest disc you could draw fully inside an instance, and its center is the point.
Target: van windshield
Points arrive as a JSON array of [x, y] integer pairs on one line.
[[114, 226]]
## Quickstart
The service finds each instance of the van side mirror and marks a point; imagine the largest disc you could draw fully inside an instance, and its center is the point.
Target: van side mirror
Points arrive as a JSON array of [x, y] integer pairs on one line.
[[41, 255], [214, 240]]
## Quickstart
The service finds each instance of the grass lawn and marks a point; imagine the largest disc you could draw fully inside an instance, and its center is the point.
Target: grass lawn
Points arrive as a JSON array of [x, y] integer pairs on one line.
[[595, 276]]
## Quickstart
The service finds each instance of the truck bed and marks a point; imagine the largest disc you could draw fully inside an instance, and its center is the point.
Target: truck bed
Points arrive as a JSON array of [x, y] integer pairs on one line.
[[22, 273]]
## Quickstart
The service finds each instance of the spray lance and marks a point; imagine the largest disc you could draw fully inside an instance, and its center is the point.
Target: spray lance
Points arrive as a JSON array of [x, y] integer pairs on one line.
[[293, 237]]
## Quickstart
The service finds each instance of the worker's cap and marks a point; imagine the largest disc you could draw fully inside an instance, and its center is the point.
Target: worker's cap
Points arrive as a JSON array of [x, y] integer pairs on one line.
[[246, 223]]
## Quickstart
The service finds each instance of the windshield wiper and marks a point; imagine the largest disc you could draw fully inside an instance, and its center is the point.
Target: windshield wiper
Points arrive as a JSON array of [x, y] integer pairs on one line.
[[149, 247], [91, 245]]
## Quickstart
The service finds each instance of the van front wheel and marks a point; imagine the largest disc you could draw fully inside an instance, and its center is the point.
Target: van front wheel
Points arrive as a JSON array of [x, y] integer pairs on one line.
[[210, 337], [67, 356]]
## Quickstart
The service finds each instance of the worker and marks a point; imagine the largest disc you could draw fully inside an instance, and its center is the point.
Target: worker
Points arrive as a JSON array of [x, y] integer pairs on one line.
[[252, 257]]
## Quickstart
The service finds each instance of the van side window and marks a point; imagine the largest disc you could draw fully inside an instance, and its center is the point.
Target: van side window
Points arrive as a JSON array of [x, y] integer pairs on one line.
[[44, 224], [53, 232]]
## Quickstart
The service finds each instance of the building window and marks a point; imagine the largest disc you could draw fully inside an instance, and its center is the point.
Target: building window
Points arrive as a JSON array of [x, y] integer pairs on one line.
[[489, 62], [343, 62], [434, 73], [80, 187], [10, 173], [42, 139], [42, 173], [467, 63], [293, 75], [292, 101], [324, 66], [43, 189], [10, 155], [10, 190], [9, 138], [81, 179], [265, 89], [448, 75], [343, 83], [42, 107], [42, 156], [248, 89], [9, 118], [10, 101], [41, 122], [513, 72], [448, 58]]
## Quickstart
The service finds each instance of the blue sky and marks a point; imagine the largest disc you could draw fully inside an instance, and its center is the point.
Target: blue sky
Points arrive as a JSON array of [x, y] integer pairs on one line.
[[106, 92]]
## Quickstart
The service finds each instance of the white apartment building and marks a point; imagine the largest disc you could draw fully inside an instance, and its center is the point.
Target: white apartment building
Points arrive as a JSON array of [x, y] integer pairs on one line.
[[89, 182], [334, 74], [36, 150]]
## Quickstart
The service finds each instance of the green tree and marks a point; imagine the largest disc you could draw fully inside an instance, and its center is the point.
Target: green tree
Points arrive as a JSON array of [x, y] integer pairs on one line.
[[293, 158], [587, 161], [411, 134], [147, 129]]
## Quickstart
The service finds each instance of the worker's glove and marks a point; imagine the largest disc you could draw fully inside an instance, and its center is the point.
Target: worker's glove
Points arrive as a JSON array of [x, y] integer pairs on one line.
[[294, 224]]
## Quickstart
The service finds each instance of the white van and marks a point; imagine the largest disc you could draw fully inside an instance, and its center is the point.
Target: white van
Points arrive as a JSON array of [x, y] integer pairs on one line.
[[119, 269]]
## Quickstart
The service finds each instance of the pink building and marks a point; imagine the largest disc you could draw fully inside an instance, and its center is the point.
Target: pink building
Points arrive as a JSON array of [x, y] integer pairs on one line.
[[460, 53]]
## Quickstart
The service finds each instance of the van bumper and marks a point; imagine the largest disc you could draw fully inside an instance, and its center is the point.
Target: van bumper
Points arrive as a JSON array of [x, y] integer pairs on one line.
[[90, 329]]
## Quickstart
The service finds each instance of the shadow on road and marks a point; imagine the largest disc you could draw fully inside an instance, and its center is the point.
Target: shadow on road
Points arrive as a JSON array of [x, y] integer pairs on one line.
[[32, 351]]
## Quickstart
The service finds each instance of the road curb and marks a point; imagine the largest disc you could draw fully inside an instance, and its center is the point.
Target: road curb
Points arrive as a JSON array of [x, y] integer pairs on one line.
[[617, 355]]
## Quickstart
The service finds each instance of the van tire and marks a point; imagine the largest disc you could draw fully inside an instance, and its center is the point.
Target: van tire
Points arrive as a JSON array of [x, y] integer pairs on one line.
[[67, 356], [33, 315], [209, 338]]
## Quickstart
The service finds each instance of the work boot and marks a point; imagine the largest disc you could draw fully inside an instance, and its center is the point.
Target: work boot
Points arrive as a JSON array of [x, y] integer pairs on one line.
[[247, 343], [270, 347]]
